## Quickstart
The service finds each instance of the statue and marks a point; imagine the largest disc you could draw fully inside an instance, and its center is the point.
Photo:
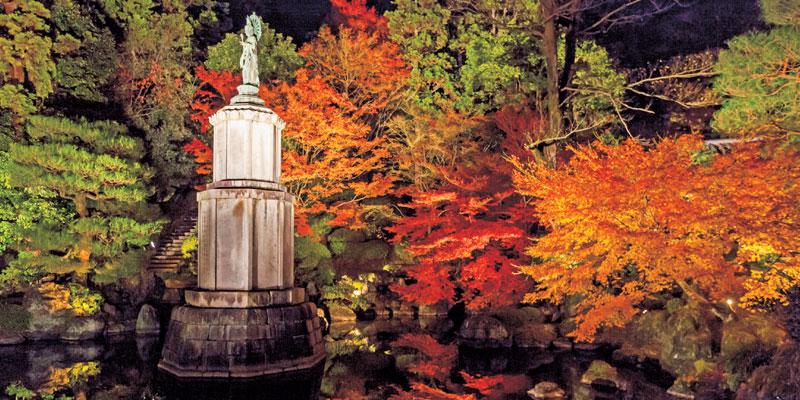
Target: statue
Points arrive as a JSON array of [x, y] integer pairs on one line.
[[249, 59], [248, 90]]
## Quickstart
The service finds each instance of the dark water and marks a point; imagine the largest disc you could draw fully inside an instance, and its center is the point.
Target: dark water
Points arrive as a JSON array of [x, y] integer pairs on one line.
[[367, 360]]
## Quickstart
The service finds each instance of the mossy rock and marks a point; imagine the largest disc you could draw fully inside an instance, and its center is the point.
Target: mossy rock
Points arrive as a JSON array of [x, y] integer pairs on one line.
[[603, 370], [748, 342], [514, 317], [674, 304], [571, 303], [14, 318], [339, 312], [535, 335]]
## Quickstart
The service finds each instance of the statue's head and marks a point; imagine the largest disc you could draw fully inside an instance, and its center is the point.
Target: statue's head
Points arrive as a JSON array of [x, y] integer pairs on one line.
[[253, 26]]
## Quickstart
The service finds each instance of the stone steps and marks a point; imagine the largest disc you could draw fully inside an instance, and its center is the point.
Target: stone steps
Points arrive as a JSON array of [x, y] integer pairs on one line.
[[168, 257]]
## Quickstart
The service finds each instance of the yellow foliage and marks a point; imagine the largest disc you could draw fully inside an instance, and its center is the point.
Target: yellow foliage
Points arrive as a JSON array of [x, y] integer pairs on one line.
[[56, 296]]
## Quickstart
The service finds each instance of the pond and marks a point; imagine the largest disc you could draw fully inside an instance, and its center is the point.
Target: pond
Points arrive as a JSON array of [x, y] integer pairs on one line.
[[418, 358]]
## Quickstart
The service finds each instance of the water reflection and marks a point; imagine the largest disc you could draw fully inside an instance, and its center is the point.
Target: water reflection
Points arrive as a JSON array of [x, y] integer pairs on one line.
[[388, 359], [292, 386]]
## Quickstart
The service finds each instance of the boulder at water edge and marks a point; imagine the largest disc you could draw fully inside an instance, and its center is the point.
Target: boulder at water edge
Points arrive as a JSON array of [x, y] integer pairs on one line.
[[147, 322]]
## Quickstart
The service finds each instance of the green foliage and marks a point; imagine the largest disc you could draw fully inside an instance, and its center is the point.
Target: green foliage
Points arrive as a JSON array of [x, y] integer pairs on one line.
[[759, 77], [473, 59], [597, 85], [154, 82], [94, 165], [21, 208], [25, 49], [349, 292], [314, 261], [13, 318], [189, 253], [82, 301], [90, 60], [189, 247], [781, 12], [19, 391], [277, 55], [420, 28], [20, 273]]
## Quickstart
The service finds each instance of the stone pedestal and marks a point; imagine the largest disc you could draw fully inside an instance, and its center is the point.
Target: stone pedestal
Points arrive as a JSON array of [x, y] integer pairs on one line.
[[246, 319], [236, 340]]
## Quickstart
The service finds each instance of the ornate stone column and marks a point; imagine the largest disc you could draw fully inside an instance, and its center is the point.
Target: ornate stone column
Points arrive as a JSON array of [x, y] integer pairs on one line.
[[245, 319]]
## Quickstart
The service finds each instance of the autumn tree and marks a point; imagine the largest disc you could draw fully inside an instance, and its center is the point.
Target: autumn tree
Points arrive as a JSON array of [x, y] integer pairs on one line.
[[154, 83], [95, 166], [759, 77], [627, 223], [334, 160], [467, 229]]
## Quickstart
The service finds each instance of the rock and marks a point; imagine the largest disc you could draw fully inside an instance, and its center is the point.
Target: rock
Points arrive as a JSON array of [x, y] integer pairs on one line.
[[311, 290], [84, 328], [750, 331], [600, 371], [402, 309], [686, 338], [562, 343], [438, 309], [9, 338], [547, 390], [679, 390], [44, 323], [120, 328], [586, 346], [535, 335], [147, 323], [340, 313], [514, 317], [435, 325], [111, 311], [484, 331]]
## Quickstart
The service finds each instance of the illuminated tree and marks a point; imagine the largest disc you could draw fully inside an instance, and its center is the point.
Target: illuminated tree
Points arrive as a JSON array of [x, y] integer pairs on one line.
[[627, 223], [95, 166], [759, 77]]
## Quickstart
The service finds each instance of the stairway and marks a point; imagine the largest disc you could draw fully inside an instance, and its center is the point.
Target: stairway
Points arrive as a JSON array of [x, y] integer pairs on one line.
[[168, 256]]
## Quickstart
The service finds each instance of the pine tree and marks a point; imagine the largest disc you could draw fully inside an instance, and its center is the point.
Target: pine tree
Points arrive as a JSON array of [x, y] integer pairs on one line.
[[95, 166], [759, 76]]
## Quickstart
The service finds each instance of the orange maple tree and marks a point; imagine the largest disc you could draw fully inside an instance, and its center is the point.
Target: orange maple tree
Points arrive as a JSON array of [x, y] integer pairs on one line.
[[627, 222], [333, 158]]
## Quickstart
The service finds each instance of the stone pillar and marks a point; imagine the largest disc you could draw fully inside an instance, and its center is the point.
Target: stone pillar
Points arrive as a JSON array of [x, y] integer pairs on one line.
[[245, 319]]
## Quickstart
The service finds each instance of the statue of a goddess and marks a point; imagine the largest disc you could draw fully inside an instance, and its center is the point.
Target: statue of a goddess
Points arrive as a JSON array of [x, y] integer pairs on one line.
[[249, 60]]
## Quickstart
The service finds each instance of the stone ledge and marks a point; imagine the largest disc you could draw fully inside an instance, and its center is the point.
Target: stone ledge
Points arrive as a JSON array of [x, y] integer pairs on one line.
[[246, 183], [242, 299]]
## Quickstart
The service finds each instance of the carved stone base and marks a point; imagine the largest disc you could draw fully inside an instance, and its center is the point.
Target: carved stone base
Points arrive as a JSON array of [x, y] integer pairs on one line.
[[248, 94], [242, 299], [223, 343]]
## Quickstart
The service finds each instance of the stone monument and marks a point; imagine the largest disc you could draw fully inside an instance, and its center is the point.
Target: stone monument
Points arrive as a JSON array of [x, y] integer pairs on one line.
[[246, 319]]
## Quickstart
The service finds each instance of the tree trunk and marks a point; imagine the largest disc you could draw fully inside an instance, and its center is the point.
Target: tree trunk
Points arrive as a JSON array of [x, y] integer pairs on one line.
[[550, 48]]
